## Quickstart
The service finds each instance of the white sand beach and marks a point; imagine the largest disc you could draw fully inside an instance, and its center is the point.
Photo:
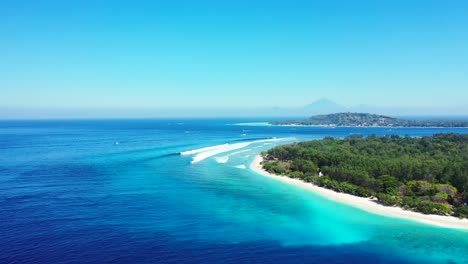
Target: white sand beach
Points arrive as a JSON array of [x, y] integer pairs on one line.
[[365, 203]]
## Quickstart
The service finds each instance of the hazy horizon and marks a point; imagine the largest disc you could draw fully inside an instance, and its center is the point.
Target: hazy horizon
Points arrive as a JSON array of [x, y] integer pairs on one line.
[[314, 108]]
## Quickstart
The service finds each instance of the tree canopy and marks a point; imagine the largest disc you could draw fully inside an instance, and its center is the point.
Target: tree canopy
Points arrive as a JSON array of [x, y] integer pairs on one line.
[[364, 119], [427, 174]]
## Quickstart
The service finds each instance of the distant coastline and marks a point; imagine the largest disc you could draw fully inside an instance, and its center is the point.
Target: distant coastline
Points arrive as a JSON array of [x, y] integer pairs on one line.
[[370, 120], [273, 124], [332, 126], [365, 204]]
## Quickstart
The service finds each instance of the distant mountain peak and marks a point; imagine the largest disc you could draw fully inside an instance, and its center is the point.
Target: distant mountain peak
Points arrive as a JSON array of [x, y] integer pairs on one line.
[[324, 106], [324, 102]]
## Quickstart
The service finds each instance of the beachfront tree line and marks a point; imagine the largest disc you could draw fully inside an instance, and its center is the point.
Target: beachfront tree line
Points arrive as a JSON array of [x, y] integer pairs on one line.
[[427, 174]]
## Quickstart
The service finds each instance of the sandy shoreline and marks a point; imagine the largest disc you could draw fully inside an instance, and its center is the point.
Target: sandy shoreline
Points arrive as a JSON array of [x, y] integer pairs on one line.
[[365, 203]]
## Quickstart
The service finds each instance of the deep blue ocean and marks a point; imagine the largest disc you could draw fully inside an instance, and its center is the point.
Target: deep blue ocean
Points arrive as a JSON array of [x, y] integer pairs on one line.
[[119, 191]]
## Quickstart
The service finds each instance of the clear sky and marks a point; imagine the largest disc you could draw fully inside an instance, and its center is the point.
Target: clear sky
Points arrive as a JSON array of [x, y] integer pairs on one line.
[[198, 54]]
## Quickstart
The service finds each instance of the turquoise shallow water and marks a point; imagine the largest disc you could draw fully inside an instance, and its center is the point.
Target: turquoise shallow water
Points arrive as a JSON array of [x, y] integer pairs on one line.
[[118, 191]]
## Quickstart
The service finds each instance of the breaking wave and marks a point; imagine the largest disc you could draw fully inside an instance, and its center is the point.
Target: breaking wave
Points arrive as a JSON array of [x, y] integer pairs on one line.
[[222, 159], [229, 147], [191, 152], [204, 153]]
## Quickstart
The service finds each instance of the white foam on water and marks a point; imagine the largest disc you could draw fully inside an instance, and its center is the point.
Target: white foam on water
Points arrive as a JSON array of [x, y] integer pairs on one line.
[[222, 159], [204, 153], [242, 167], [229, 147], [195, 151]]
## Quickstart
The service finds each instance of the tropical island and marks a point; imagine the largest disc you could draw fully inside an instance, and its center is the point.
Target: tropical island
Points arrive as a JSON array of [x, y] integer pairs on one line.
[[427, 175], [369, 120]]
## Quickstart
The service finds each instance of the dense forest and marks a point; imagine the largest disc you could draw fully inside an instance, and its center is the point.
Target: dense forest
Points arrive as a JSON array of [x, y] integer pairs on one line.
[[428, 174], [363, 119]]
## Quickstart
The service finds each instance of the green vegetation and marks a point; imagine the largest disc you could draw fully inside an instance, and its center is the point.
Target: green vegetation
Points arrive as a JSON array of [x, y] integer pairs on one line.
[[428, 174], [362, 119]]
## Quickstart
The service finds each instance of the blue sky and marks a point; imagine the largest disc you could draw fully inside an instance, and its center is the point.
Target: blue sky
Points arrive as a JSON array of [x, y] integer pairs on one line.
[[230, 54]]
